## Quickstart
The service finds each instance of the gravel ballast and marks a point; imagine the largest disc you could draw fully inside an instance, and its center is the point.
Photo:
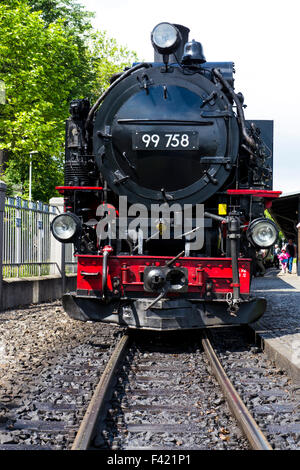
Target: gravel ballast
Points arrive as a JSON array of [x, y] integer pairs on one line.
[[49, 367]]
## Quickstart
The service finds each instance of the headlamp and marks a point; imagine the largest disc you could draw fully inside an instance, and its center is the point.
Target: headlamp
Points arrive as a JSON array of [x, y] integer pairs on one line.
[[165, 38], [65, 227], [262, 233]]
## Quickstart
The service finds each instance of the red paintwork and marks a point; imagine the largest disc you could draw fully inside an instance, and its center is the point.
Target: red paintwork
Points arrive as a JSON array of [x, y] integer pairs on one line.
[[254, 192], [268, 204], [108, 248], [62, 189], [108, 206], [129, 269]]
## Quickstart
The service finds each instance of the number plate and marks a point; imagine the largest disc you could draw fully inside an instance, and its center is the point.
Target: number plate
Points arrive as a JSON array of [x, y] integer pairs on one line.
[[165, 140]]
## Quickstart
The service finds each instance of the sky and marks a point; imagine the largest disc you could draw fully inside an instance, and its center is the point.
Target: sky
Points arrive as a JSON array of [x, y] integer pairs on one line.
[[260, 36]]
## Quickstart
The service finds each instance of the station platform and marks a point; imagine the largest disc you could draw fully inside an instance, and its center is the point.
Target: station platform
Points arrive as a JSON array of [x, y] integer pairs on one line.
[[278, 331]]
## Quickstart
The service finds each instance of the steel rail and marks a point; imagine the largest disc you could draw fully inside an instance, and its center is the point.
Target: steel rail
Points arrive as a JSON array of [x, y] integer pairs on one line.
[[250, 428], [102, 395]]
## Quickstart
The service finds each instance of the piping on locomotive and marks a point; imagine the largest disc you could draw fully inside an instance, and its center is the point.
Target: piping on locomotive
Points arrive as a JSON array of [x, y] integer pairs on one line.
[[170, 132]]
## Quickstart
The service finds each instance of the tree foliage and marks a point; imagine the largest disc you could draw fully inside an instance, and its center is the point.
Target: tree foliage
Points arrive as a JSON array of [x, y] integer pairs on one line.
[[74, 15], [46, 60], [108, 58]]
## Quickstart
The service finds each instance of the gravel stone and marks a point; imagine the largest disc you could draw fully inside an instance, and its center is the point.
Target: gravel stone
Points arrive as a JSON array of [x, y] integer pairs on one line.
[[47, 360], [265, 390]]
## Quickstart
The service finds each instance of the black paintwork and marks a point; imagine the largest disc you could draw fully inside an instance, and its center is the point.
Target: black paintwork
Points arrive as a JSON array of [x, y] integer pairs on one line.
[[140, 104]]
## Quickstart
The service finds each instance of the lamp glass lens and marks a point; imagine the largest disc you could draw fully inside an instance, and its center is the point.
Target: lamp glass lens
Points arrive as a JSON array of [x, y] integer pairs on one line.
[[164, 35], [64, 227], [264, 234]]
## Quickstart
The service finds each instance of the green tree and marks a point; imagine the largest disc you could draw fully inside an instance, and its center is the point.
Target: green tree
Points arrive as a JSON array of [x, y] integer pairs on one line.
[[108, 58], [74, 15], [46, 62]]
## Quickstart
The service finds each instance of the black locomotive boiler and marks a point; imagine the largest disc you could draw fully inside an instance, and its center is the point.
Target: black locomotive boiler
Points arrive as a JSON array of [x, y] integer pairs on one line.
[[165, 142]]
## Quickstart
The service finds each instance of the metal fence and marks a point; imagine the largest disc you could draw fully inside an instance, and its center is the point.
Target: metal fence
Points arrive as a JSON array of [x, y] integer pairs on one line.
[[26, 240], [70, 260]]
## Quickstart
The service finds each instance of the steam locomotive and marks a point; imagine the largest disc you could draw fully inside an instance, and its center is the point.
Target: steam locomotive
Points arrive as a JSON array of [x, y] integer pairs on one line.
[[166, 184]]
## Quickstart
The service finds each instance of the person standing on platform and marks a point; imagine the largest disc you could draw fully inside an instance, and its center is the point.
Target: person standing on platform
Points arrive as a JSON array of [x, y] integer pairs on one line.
[[283, 258], [291, 250]]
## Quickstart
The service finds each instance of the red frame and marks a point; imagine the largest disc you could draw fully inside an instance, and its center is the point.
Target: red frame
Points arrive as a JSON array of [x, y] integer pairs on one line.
[[129, 268], [254, 192], [62, 189]]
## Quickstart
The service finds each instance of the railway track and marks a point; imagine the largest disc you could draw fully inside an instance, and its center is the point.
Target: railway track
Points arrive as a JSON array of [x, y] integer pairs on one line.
[[163, 397], [154, 393]]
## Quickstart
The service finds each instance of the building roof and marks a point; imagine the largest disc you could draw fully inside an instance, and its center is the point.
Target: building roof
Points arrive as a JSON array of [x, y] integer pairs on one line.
[[286, 212]]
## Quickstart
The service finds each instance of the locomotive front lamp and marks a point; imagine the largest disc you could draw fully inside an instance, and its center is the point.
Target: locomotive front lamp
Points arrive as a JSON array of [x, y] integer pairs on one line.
[[65, 227], [262, 233], [165, 38]]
